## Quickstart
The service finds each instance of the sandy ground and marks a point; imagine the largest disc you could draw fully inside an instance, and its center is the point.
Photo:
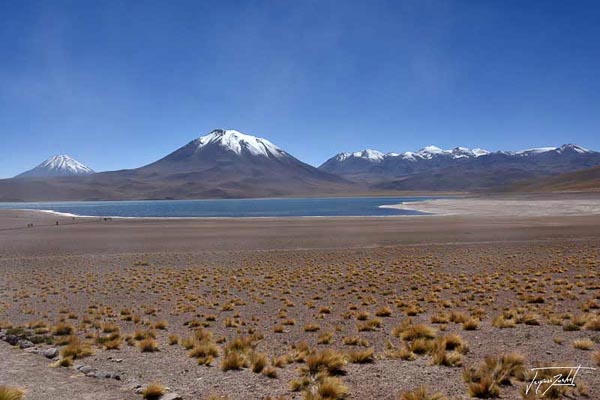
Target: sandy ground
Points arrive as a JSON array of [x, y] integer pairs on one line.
[[30, 371], [238, 278], [516, 208]]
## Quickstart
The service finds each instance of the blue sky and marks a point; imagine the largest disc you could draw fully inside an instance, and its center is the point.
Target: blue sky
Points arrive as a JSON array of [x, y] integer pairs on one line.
[[118, 84]]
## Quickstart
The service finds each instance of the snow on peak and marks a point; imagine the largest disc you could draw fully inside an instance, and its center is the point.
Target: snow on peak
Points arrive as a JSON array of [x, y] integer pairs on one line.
[[237, 141], [426, 153], [465, 152], [480, 152], [574, 147], [65, 164], [536, 150], [367, 154], [457, 152], [560, 149], [59, 165]]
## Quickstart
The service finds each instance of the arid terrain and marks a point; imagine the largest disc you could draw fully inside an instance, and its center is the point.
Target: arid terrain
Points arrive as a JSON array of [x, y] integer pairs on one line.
[[303, 308]]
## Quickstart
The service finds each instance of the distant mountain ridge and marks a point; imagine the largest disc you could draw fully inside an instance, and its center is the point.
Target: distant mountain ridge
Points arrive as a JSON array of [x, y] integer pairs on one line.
[[231, 164], [222, 164], [460, 168], [58, 165]]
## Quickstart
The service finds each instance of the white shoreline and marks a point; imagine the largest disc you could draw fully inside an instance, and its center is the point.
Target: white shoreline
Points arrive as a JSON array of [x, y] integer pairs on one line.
[[61, 214], [503, 207]]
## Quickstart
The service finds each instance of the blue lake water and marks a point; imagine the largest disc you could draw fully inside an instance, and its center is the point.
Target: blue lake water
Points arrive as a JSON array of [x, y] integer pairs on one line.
[[295, 207]]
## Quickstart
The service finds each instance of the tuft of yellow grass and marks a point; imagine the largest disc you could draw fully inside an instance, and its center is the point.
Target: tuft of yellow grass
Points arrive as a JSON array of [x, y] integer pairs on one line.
[[329, 388], [76, 349], [328, 360], [596, 358], [418, 331], [148, 345], [486, 388], [153, 391], [10, 393], [361, 356], [421, 394], [583, 344], [233, 361], [63, 329]]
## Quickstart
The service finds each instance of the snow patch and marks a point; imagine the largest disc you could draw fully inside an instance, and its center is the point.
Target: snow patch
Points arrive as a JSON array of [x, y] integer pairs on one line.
[[238, 142]]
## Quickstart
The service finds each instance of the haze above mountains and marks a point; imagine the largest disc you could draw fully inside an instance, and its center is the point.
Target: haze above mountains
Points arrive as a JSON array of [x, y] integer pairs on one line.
[[230, 164]]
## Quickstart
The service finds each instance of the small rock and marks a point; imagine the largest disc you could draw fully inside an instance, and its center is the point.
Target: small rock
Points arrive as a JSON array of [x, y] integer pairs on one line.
[[100, 374], [50, 353], [12, 340], [171, 396], [25, 344], [85, 369]]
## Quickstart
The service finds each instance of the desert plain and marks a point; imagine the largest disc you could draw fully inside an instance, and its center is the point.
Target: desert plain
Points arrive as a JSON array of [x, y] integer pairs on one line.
[[458, 304]]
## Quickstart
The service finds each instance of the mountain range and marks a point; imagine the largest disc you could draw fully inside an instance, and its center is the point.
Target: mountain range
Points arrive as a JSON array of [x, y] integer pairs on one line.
[[222, 164], [461, 168], [231, 164]]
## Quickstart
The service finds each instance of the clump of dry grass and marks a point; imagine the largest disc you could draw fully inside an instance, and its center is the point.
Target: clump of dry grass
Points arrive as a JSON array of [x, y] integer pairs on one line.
[[418, 331], [10, 393], [485, 381], [421, 394], [361, 356], [583, 344], [202, 346], [75, 349], [596, 358], [369, 325], [269, 372], [233, 361], [162, 324], [384, 312], [327, 388], [113, 342], [471, 324], [448, 351], [153, 391], [241, 353], [328, 361], [63, 362], [258, 362], [63, 329], [502, 321], [485, 388], [148, 345], [325, 338], [173, 339]]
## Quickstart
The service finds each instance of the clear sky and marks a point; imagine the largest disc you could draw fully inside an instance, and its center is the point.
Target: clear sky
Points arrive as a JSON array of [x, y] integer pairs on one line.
[[118, 84]]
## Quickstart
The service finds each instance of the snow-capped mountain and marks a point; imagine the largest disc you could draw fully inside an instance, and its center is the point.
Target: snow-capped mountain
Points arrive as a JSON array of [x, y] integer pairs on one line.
[[59, 165], [372, 165], [426, 153], [234, 164], [240, 143], [221, 164], [367, 154], [224, 148], [565, 148]]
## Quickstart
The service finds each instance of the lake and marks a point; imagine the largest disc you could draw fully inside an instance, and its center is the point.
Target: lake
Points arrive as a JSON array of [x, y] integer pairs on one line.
[[290, 207]]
